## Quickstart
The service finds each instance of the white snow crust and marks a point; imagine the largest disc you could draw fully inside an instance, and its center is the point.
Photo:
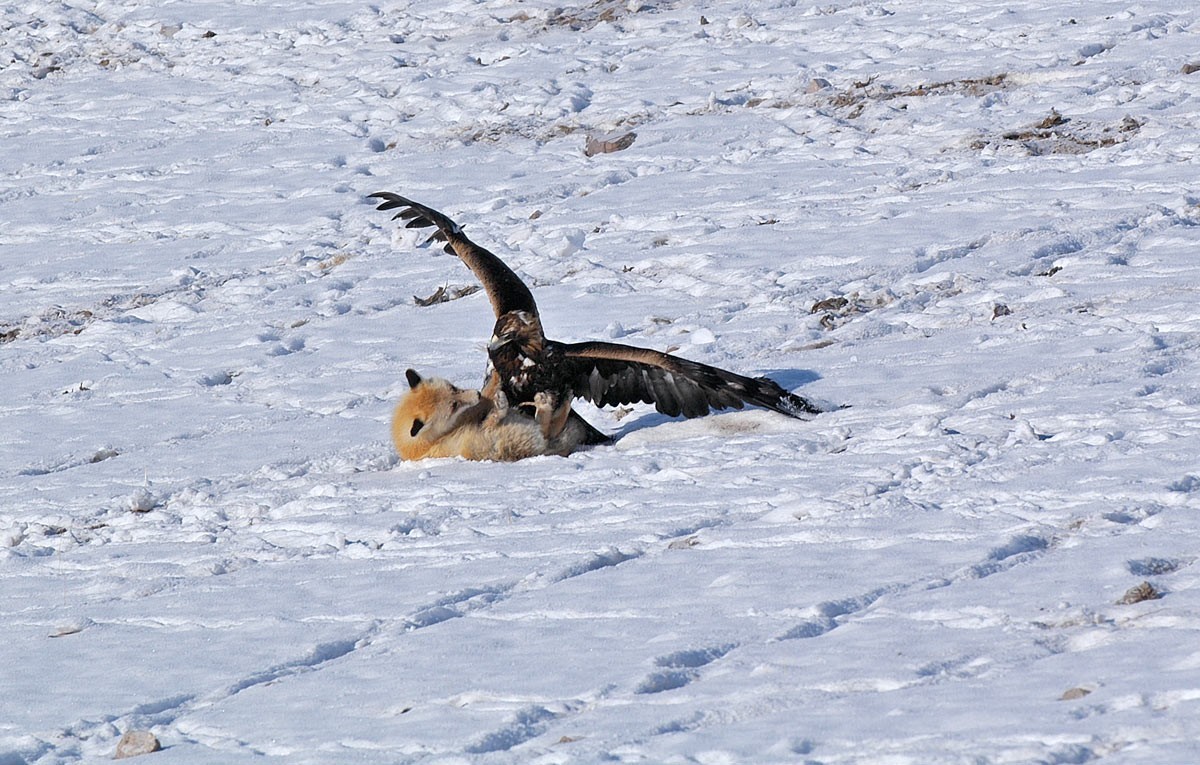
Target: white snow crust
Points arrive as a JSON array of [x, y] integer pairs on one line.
[[974, 226]]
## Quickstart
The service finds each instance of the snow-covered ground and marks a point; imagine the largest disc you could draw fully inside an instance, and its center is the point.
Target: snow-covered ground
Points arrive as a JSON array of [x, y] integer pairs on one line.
[[975, 224]]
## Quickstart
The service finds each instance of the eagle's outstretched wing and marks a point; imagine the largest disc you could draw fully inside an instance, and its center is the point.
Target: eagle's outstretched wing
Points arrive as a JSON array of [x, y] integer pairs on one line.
[[608, 374], [504, 288]]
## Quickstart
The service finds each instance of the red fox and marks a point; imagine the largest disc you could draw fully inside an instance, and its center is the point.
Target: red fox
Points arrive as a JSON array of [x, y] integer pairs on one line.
[[438, 419]]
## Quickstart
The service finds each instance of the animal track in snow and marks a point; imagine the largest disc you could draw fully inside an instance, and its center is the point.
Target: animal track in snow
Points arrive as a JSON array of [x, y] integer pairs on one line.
[[1019, 549], [526, 724], [455, 605], [595, 562], [828, 613], [680, 668]]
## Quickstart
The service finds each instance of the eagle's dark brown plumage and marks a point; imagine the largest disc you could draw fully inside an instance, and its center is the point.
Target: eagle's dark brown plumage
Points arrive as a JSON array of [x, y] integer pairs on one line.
[[526, 364]]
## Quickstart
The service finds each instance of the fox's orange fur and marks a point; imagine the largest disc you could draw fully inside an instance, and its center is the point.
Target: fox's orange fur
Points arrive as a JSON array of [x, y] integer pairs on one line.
[[438, 419]]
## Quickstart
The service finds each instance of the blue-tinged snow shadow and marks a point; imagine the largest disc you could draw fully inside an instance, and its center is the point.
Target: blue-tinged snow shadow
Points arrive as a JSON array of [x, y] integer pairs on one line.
[[789, 379]]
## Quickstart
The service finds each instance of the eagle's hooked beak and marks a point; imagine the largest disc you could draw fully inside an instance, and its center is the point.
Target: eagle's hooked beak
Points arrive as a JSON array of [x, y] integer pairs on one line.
[[499, 341]]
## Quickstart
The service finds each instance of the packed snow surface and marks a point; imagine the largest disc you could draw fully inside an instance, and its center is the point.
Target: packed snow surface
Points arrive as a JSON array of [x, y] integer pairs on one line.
[[971, 229]]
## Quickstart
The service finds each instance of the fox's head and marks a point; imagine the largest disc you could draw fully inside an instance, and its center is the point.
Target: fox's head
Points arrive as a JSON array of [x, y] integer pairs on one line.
[[432, 409]]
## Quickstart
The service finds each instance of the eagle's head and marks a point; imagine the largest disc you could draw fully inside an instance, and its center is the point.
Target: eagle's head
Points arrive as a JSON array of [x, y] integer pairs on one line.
[[517, 333]]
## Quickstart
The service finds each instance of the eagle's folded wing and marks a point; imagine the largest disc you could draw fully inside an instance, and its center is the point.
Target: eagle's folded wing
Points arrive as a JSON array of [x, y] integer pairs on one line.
[[504, 288], [608, 374]]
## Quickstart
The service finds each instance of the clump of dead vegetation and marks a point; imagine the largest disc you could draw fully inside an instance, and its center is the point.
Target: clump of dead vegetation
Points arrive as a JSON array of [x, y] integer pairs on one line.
[[854, 100], [445, 294], [859, 95], [586, 16], [595, 141], [1139, 593], [840, 309], [55, 321], [1057, 134]]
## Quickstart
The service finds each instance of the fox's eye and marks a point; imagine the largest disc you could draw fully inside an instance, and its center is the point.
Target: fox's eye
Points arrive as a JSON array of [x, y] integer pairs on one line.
[[416, 428]]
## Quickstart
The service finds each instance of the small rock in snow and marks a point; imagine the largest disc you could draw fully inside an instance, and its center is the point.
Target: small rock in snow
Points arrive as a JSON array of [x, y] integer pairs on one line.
[[817, 84], [70, 628], [136, 743], [608, 144]]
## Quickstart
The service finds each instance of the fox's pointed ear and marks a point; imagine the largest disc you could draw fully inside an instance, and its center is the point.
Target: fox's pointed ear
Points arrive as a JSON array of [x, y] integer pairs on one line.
[[414, 379], [416, 428]]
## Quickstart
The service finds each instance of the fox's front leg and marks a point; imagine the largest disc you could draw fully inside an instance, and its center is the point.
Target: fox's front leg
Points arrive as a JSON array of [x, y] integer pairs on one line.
[[551, 415], [491, 384]]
